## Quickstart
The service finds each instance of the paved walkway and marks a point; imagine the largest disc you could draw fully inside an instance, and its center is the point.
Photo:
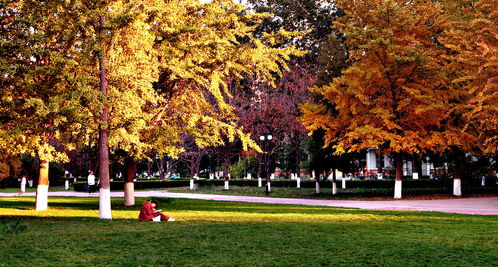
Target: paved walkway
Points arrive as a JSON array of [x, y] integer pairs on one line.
[[481, 206]]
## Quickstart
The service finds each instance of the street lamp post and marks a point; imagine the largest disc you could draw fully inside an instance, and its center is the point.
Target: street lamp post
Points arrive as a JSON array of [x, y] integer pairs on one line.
[[266, 168]]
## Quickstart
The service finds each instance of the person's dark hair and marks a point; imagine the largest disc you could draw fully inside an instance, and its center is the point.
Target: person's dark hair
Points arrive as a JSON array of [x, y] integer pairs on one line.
[[154, 201]]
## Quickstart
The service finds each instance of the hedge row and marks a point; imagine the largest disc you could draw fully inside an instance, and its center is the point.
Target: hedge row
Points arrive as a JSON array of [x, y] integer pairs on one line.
[[385, 183]]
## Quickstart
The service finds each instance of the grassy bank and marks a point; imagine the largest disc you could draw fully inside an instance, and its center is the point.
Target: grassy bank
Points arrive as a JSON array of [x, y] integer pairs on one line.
[[326, 193], [209, 233]]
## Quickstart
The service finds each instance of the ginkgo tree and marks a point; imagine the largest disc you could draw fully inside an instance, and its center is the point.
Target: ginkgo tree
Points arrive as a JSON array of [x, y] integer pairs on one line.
[[126, 51], [40, 106], [388, 97]]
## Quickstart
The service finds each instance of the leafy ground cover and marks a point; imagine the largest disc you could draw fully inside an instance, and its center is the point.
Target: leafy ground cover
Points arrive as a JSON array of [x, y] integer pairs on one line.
[[209, 233]]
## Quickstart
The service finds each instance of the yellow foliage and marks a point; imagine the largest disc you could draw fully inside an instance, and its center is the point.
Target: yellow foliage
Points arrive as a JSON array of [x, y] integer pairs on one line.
[[197, 48], [10, 164]]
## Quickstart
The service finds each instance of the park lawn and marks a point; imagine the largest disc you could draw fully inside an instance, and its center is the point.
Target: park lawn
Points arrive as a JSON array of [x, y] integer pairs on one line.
[[210, 233], [30, 189], [325, 192]]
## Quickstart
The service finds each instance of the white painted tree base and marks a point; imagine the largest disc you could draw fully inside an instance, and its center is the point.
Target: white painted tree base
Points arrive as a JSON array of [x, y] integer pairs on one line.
[[41, 197], [457, 187], [317, 187], [66, 185], [269, 186], [105, 204], [298, 182], [343, 183], [260, 183], [397, 189], [334, 188], [191, 184], [227, 185], [129, 194]]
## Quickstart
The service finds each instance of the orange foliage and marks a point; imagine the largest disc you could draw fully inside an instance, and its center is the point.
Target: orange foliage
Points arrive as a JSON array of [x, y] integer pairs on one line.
[[471, 37], [387, 98]]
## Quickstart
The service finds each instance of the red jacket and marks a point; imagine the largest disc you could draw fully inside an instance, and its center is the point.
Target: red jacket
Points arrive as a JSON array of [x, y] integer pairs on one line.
[[146, 212]]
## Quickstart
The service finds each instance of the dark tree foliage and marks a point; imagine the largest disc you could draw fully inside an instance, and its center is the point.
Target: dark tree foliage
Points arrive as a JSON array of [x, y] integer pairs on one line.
[[323, 161], [300, 15]]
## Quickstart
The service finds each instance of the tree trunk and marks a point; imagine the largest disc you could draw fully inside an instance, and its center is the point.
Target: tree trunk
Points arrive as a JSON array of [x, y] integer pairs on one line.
[[197, 168], [457, 174], [196, 163], [129, 189], [298, 157], [334, 184], [42, 188], [245, 165], [398, 164], [105, 186], [161, 169], [226, 159], [191, 166], [149, 169], [317, 183], [417, 165]]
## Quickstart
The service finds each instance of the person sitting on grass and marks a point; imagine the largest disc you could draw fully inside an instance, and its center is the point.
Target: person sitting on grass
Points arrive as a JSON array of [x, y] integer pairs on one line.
[[148, 212]]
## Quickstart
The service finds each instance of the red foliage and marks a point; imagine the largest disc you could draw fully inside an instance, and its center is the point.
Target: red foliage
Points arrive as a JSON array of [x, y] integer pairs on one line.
[[263, 109]]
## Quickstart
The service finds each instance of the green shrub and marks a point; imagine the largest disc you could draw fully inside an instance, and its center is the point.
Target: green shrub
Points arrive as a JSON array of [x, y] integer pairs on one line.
[[237, 169]]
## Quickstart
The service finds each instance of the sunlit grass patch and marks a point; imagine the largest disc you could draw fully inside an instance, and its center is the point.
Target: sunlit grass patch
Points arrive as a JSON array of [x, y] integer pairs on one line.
[[207, 211], [214, 233], [214, 212]]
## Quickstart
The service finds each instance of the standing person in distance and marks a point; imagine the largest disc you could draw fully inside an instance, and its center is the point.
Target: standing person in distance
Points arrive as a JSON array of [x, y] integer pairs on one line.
[[23, 181], [91, 182]]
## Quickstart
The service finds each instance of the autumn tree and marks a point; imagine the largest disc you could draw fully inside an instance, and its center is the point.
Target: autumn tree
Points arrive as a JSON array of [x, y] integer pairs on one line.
[[384, 98], [10, 165], [264, 110], [196, 80], [120, 49], [312, 16], [136, 44], [41, 112], [469, 62]]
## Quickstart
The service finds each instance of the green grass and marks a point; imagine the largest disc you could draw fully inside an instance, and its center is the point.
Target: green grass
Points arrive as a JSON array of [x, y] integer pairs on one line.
[[326, 192], [29, 189], [209, 233]]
